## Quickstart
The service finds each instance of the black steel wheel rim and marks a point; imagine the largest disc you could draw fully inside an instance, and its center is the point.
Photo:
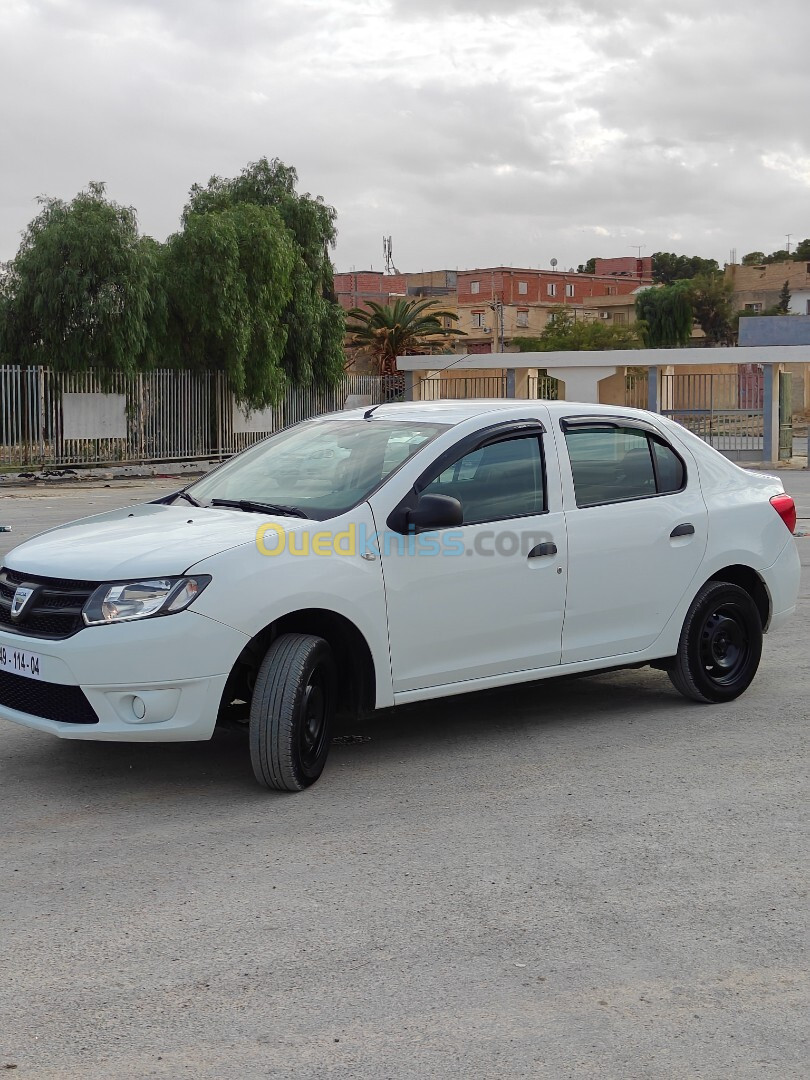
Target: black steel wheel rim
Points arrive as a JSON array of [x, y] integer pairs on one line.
[[313, 718], [725, 645]]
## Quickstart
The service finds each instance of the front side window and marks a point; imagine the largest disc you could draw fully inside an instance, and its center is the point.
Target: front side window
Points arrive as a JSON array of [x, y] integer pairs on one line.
[[500, 480], [610, 463], [320, 467]]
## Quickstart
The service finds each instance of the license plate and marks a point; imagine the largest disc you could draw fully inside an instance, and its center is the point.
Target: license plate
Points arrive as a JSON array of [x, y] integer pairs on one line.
[[21, 662]]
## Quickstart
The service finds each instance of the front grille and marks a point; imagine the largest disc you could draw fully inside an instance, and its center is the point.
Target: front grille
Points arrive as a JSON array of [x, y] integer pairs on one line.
[[54, 612], [67, 704]]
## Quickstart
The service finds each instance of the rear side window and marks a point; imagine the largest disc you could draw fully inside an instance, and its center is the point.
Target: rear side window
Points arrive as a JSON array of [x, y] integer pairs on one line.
[[611, 463]]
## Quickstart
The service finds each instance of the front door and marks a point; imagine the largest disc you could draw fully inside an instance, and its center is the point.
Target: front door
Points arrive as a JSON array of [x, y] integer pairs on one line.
[[486, 598]]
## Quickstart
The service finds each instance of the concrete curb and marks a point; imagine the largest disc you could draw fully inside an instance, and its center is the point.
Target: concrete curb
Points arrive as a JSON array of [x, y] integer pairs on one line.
[[183, 471]]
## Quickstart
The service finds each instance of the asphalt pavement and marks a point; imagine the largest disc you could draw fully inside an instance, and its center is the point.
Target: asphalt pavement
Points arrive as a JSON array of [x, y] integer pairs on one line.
[[580, 878]]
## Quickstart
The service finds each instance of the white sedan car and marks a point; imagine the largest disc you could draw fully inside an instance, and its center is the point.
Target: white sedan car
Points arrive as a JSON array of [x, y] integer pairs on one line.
[[396, 554]]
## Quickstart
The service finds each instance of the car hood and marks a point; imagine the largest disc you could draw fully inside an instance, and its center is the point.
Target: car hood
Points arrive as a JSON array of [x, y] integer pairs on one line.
[[150, 540]]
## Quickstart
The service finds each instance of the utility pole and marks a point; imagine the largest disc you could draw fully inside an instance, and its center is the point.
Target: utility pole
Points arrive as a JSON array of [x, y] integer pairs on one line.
[[787, 245], [497, 308]]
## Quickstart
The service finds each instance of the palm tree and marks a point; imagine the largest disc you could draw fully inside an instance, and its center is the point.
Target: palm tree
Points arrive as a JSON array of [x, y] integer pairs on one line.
[[382, 332]]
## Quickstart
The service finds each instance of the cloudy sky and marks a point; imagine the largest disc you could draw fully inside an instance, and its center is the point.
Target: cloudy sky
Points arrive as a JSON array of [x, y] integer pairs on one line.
[[475, 132]]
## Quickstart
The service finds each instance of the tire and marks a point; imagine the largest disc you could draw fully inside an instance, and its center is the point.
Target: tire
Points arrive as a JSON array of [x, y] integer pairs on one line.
[[291, 712], [720, 644]]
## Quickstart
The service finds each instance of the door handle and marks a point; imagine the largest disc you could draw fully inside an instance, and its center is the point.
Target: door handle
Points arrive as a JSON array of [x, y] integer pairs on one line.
[[542, 549], [687, 529]]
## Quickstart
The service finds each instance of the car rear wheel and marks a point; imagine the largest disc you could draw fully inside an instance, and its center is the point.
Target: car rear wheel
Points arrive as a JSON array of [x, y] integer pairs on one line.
[[720, 644], [291, 712]]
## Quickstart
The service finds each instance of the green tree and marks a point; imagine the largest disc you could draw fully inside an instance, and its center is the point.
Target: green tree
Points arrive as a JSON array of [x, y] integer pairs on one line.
[[710, 296], [665, 316], [802, 251], [753, 258], [783, 304], [77, 293], [382, 332], [669, 268], [563, 332], [313, 320], [229, 278], [588, 267]]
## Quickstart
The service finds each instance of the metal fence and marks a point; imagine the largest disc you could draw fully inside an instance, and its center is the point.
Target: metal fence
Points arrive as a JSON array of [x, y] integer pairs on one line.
[[458, 387], [543, 387], [57, 418], [636, 392], [436, 388]]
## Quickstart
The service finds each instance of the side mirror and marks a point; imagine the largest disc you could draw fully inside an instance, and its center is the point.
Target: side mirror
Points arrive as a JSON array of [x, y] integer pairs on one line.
[[435, 512]]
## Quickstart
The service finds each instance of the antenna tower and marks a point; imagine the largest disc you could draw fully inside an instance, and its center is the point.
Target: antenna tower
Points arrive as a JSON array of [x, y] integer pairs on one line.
[[388, 255]]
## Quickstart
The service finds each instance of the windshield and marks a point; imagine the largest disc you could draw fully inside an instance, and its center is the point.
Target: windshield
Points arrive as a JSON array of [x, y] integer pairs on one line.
[[321, 467]]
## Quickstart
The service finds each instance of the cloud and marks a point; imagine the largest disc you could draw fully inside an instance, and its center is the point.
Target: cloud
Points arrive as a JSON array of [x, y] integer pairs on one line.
[[472, 135]]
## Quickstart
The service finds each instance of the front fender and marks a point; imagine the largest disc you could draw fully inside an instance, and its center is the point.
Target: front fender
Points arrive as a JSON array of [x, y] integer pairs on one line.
[[250, 589]]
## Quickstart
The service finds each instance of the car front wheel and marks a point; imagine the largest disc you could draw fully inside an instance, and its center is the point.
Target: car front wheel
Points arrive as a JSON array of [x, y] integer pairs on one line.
[[720, 644], [291, 712]]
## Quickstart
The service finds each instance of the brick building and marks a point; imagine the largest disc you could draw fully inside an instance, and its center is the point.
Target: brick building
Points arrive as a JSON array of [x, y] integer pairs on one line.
[[757, 288], [498, 305], [356, 289]]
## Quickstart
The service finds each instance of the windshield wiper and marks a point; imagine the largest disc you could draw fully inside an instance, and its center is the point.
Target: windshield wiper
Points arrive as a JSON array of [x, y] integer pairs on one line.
[[251, 507], [189, 498]]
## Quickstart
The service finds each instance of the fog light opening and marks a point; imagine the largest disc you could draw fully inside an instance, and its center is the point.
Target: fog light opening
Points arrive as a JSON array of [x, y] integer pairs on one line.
[[138, 708]]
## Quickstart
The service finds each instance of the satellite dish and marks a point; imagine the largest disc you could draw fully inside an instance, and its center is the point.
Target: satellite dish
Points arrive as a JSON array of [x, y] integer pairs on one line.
[[553, 263]]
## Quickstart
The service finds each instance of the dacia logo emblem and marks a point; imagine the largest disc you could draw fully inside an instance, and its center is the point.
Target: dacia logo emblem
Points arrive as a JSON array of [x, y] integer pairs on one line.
[[21, 597]]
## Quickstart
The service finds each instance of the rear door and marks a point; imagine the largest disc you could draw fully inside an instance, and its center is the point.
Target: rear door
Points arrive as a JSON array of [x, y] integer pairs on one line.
[[637, 531]]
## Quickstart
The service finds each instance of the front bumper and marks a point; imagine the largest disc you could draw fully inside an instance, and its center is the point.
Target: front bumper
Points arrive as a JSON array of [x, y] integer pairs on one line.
[[160, 680]]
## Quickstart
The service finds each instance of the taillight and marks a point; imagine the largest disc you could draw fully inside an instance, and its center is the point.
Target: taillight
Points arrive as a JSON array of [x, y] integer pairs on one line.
[[786, 509]]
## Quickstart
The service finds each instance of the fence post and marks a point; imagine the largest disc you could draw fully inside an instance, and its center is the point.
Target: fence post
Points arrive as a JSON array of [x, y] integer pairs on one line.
[[215, 380], [409, 382], [510, 382], [770, 418], [653, 390]]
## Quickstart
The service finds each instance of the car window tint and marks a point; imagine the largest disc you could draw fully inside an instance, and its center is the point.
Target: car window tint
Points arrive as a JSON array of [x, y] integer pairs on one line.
[[671, 473], [502, 480], [610, 464]]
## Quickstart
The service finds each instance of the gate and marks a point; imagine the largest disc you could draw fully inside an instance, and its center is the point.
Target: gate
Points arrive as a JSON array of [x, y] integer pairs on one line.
[[725, 410]]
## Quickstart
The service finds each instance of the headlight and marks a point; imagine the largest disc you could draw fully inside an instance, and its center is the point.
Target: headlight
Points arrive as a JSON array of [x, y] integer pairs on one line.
[[140, 599]]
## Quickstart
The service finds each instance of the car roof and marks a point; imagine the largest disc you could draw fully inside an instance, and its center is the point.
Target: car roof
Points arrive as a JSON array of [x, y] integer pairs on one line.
[[451, 412]]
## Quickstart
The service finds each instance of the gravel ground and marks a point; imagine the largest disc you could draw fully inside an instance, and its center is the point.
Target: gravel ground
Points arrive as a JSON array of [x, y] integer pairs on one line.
[[580, 878]]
